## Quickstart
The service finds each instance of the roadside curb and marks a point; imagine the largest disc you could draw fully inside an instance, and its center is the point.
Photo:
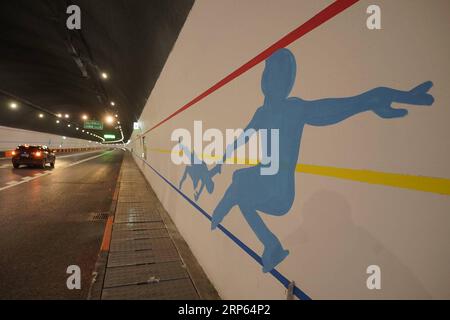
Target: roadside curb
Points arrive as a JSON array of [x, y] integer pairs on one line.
[[98, 275]]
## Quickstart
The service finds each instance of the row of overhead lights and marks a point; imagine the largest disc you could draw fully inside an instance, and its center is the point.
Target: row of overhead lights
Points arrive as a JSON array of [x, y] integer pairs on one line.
[[14, 105], [109, 119]]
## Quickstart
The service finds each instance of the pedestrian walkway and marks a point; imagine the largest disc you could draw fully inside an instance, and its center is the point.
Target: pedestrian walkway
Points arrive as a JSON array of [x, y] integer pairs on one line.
[[147, 257]]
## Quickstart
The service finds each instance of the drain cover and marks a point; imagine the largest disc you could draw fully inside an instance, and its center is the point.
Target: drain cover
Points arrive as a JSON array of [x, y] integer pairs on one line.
[[98, 216]]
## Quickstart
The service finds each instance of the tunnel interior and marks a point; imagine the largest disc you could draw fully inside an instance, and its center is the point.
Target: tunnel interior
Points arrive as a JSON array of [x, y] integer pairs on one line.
[[108, 67]]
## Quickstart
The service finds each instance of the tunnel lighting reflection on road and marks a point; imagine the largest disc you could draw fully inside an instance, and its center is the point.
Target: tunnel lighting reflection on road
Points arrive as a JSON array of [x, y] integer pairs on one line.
[[104, 75], [13, 105], [41, 115]]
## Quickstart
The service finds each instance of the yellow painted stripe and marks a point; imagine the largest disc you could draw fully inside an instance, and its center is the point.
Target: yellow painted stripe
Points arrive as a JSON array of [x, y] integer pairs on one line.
[[404, 181], [160, 151], [419, 183]]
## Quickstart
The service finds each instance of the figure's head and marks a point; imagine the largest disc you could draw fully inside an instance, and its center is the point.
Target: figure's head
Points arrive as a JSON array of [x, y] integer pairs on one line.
[[279, 75]]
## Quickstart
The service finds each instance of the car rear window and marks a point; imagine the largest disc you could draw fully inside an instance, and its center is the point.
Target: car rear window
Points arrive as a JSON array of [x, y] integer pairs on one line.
[[28, 148]]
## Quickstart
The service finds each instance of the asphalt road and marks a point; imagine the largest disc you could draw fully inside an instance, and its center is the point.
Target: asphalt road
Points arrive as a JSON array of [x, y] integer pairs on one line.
[[46, 223]]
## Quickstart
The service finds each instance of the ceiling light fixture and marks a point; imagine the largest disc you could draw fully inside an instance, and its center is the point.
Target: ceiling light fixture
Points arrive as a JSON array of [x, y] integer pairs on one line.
[[109, 119]]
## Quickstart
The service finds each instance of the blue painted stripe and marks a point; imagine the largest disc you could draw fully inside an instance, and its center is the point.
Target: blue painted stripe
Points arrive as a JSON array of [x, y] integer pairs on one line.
[[282, 279]]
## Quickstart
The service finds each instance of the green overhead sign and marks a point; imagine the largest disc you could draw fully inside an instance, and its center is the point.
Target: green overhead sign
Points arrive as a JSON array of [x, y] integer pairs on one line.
[[93, 124], [109, 136]]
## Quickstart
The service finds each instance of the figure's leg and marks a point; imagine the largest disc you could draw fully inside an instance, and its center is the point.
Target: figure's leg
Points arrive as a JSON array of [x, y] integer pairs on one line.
[[199, 192], [273, 251], [223, 208], [183, 178], [195, 180]]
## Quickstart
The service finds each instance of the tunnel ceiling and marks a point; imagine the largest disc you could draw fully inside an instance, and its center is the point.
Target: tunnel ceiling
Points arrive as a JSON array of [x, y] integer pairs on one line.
[[47, 69]]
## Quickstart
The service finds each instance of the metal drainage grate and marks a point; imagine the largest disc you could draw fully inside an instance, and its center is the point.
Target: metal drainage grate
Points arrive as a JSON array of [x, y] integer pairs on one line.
[[99, 216]]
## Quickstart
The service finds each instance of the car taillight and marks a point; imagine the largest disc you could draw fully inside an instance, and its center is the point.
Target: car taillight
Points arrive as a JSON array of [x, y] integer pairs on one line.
[[13, 153], [37, 153]]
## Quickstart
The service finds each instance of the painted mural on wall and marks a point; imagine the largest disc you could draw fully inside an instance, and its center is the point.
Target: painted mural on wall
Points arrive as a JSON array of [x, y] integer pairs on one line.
[[198, 172], [273, 194]]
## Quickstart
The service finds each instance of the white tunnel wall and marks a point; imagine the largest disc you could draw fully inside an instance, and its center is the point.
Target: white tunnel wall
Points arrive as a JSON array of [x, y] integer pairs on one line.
[[10, 138], [337, 226]]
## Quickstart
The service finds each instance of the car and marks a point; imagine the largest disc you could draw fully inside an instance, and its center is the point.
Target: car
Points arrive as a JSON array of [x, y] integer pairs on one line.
[[33, 156]]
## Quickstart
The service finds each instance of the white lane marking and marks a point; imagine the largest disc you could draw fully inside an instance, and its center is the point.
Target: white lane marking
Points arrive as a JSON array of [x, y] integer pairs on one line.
[[9, 165], [87, 159], [16, 183], [76, 154], [65, 156]]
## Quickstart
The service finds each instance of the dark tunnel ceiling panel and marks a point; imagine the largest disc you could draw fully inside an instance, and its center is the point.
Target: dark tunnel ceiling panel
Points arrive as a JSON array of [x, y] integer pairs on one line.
[[39, 59]]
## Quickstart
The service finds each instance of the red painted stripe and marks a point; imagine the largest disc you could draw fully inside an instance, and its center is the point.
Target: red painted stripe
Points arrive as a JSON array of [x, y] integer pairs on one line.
[[323, 16]]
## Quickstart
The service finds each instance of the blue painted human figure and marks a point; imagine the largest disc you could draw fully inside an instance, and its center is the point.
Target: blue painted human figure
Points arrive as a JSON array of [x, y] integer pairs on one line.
[[199, 172], [274, 194]]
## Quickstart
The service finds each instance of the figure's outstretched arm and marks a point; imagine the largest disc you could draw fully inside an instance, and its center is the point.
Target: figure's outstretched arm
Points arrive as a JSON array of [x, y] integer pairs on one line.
[[241, 140], [330, 111]]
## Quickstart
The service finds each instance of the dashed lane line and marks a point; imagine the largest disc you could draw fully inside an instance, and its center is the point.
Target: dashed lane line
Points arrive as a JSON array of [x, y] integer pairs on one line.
[[28, 179], [9, 164]]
